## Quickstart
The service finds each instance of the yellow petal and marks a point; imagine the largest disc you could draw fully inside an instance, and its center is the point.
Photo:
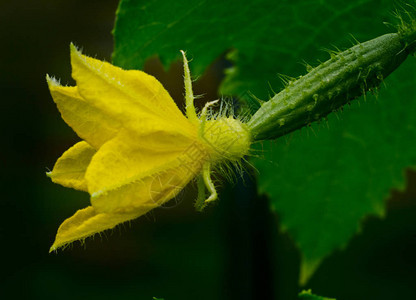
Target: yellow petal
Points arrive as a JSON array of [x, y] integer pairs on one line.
[[133, 97], [86, 222], [90, 123], [149, 192], [126, 203], [150, 188], [69, 170], [127, 159]]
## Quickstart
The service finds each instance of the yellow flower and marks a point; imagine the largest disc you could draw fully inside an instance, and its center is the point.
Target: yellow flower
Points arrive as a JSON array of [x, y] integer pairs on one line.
[[138, 149]]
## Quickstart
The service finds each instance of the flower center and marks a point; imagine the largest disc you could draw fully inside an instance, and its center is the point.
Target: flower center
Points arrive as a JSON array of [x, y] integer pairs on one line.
[[227, 138]]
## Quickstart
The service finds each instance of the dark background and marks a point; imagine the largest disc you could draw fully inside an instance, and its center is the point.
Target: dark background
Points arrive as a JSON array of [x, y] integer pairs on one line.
[[232, 251]]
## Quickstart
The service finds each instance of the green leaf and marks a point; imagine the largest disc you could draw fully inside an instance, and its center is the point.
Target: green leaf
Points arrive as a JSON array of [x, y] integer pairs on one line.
[[263, 37], [307, 295], [324, 181]]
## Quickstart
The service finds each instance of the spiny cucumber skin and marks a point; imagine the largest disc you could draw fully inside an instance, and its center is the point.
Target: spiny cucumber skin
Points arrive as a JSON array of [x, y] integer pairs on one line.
[[329, 86]]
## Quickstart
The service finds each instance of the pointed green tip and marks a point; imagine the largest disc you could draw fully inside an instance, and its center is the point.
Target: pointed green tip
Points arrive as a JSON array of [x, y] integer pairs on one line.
[[307, 269], [72, 47]]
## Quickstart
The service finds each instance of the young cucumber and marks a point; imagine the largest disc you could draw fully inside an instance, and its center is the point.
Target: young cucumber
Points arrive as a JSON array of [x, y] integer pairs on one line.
[[329, 86]]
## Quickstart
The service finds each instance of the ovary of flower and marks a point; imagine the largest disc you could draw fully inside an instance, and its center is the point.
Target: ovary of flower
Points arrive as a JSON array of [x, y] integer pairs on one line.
[[138, 149]]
